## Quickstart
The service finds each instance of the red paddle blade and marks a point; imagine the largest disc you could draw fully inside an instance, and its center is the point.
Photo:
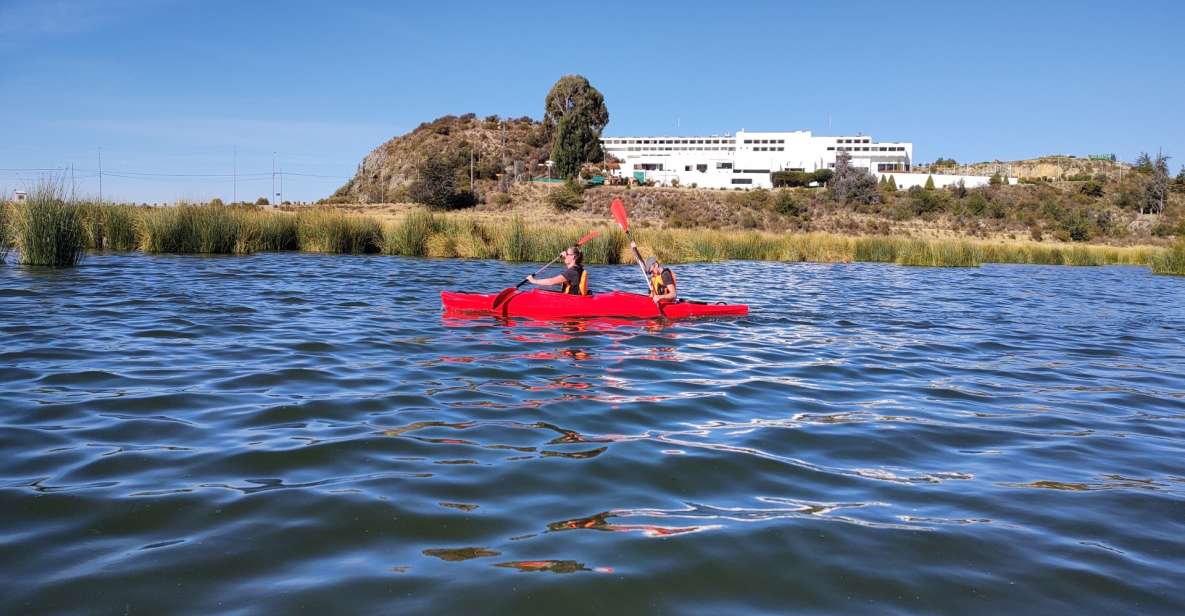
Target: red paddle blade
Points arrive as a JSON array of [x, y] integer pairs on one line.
[[618, 209], [582, 241], [502, 297]]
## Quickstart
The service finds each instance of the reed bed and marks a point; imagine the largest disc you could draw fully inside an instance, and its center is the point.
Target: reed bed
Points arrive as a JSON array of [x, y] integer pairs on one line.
[[5, 208], [1171, 261], [50, 229], [47, 229], [325, 229], [202, 229], [411, 236]]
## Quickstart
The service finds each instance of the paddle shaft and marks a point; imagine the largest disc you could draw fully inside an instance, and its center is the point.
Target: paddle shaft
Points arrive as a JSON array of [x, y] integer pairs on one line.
[[537, 272], [638, 256]]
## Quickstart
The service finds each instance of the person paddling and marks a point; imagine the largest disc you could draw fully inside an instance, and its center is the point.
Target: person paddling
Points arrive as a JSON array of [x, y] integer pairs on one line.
[[662, 282], [574, 278]]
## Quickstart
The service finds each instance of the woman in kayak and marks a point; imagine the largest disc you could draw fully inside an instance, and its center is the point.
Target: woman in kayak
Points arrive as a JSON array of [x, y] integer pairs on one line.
[[662, 282], [574, 279]]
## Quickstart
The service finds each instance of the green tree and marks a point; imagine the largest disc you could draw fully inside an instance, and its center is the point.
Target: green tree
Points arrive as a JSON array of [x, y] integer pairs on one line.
[[436, 186], [1180, 181], [852, 184], [575, 98], [1144, 163], [996, 180], [1157, 189], [892, 184], [823, 176], [929, 182], [569, 150]]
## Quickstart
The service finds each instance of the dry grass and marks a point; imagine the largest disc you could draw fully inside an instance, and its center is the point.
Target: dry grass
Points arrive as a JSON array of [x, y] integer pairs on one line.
[[417, 232]]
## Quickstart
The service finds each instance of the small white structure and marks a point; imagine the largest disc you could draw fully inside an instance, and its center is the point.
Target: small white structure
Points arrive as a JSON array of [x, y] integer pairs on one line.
[[20, 195]]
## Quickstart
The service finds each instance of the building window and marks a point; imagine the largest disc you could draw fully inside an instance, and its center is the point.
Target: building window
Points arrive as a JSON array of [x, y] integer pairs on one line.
[[724, 165], [701, 168], [742, 180], [831, 148]]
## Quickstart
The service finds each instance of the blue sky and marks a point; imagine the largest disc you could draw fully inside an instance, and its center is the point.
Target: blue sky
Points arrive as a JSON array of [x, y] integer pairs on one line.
[[172, 90]]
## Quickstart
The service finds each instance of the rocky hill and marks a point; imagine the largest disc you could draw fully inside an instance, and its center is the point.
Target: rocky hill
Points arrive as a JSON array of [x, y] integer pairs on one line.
[[498, 146], [1049, 167]]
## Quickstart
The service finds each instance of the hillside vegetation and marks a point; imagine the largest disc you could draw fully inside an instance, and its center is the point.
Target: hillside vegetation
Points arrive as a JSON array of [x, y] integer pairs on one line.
[[494, 145]]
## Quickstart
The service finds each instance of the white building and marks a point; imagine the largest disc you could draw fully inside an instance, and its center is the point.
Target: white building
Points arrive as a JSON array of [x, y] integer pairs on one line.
[[747, 159]]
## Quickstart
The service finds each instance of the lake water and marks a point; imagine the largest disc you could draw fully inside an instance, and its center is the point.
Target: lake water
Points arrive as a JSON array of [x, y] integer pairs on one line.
[[296, 432]]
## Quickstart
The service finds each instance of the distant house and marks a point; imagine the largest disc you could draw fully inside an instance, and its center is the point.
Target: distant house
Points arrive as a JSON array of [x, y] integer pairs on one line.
[[20, 195]]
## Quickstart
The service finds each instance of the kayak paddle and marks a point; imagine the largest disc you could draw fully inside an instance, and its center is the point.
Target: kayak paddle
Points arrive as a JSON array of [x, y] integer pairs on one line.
[[618, 209], [508, 291]]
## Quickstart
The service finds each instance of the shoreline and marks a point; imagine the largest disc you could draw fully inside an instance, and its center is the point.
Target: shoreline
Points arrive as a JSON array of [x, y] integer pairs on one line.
[[217, 229]]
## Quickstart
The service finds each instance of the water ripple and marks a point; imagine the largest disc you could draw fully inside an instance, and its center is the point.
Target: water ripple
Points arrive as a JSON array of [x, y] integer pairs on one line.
[[295, 432]]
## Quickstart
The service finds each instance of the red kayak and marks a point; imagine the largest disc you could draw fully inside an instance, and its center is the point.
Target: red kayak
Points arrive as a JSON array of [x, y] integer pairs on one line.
[[541, 304]]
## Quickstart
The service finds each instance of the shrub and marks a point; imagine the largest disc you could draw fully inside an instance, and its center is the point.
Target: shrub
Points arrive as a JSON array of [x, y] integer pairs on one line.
[[435, 185], [1092, 188], [261, 201], [216, 201], [566, 198], [791, 178], [502, 199], [929, 182], [47, 229], [923, 201], [786, 204]]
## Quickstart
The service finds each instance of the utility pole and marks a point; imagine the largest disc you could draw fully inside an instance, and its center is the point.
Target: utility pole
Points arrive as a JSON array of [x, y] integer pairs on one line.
[[281, 186], [273, 195], [100, 174], [235, 165]]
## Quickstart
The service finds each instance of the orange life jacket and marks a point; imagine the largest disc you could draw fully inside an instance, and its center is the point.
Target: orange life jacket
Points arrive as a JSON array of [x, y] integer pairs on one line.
[[657, 285], [582, 288]]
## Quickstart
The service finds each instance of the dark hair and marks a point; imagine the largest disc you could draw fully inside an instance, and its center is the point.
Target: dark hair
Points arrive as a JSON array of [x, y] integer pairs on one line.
[[575, 250]]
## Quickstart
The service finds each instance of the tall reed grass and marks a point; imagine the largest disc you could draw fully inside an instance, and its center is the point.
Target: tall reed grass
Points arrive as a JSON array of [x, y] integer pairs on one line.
[[47, 229], [5, 208], [324, 229], [1171, 261], [204, 229], [50, 229]]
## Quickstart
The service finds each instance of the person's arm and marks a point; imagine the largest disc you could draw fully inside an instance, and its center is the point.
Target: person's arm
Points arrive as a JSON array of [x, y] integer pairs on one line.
[[546, 282]]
